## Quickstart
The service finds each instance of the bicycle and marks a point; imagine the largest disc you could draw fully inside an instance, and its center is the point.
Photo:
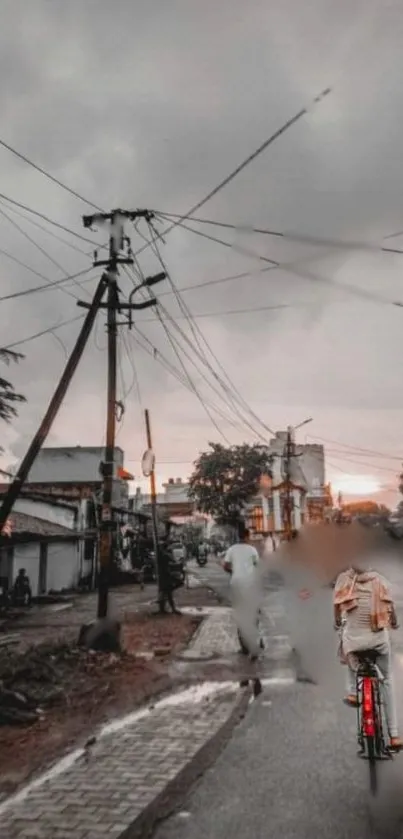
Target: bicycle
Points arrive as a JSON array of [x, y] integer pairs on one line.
[[371, 738]]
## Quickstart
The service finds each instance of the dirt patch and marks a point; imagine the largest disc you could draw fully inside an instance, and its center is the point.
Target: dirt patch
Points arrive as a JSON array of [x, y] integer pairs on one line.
[[43, 624], [77, 690]]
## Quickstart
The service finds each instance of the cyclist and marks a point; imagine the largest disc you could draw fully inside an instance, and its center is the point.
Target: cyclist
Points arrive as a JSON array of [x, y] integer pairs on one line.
[[364, 611]]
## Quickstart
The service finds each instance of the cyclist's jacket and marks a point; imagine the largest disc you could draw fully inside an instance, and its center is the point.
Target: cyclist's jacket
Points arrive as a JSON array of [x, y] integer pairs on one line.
[[365, 603]]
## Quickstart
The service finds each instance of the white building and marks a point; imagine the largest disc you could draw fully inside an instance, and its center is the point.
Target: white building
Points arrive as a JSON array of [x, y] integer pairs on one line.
[[174, 500], [74, 472], [268, 511], [309, 463], [63, 490], [44, 540]]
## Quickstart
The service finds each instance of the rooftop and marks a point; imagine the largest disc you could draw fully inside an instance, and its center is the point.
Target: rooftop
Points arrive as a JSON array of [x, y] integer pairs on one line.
[[23, 524], [45, 498], [69, 450]]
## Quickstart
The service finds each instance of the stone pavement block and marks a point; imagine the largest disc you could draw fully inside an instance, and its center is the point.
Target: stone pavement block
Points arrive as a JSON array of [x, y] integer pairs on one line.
[[216, 636], [126, 770]]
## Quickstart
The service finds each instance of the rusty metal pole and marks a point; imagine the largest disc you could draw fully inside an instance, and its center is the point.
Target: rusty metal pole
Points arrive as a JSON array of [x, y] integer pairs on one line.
[[153, 495]]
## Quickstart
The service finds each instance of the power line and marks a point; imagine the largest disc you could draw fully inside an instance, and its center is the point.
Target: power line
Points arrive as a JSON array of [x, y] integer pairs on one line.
[[359, 454], [251, 157], [230, 388], [368, 465], [356, 448], [42, 251], [44, 229], [43, 332], [49, 220], [49, 285], [136, 381], [230, 245], [48, 175], [190, 380], [165, 462], [228, 312], [291, 237], [218, 281], [175, 346], [230, 405], [157, 355], [292, 268], [23, 264]]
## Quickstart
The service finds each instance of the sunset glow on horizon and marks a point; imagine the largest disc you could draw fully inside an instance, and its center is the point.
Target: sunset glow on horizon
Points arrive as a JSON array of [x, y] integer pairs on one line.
[[356, 485]]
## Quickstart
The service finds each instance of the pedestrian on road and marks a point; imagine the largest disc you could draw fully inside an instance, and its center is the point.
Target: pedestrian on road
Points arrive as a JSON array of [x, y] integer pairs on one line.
[[364, 611], [243, 563], [166, 581]]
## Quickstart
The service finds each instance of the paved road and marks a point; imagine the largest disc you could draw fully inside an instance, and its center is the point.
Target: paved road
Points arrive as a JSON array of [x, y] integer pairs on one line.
[[213, 575], [291, 768]]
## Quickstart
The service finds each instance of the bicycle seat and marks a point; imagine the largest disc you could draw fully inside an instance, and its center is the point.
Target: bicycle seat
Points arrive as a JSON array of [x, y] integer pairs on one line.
[[366, 655]]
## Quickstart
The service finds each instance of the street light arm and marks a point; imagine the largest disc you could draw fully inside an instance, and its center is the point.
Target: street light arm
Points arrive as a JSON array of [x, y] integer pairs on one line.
[[137, 307], [147, 283], [305, 422]]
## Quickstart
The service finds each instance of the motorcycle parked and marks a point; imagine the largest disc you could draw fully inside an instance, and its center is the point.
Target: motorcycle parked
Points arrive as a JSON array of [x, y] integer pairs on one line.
[[202, 557]]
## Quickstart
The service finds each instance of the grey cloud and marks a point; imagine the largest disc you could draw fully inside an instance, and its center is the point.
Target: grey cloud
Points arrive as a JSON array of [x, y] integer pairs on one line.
[[153, 105]]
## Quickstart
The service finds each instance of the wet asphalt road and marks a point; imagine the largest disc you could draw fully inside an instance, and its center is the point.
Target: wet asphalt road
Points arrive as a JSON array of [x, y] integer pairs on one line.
[[291, 769]]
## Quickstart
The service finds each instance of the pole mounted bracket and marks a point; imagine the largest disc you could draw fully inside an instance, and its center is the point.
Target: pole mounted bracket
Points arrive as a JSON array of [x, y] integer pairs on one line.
[[106, 469]]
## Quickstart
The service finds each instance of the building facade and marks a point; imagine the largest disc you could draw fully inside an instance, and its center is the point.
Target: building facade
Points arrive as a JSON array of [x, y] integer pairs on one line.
[[302, 491], [174, 502], [74, 473], [44, 541], [69, 478]]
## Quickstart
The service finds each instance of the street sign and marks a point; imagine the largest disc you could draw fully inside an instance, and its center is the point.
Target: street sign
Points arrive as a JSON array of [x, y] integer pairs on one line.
[[148, 463]]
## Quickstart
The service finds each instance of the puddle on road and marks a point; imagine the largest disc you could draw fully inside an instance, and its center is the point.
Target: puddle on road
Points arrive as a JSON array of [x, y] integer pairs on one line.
[[278, 663]]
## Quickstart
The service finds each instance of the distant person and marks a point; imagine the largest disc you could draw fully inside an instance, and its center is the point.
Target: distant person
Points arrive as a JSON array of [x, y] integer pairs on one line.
[[364, 611], [166, 580], [243, 563], [22, 592]]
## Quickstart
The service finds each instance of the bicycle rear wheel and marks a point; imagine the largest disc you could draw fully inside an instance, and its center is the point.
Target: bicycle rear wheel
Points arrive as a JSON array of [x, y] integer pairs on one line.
[[372, 754]]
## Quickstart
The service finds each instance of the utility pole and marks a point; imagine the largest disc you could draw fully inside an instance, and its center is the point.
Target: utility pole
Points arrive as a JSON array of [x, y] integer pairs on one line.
[[151, 473], [119, 254], [289, 455], [26, 464], [288, 506]]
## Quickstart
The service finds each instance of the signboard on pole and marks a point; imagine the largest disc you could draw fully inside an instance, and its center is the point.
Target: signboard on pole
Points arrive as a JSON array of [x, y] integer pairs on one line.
[[148, 463]]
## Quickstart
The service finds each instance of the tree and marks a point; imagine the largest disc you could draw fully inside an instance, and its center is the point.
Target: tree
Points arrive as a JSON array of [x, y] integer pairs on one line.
[[8, 397], [226, 478]]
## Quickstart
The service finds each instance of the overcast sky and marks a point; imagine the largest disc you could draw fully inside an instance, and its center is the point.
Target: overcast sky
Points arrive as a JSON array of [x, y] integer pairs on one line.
[[151, 105]]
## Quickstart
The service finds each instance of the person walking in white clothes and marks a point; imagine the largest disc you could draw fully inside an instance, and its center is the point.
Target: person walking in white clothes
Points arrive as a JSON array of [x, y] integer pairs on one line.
[[243, 563]]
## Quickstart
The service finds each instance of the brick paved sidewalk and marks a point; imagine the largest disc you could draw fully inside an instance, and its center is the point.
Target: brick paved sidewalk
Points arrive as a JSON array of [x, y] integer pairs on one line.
[[108, 787]]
